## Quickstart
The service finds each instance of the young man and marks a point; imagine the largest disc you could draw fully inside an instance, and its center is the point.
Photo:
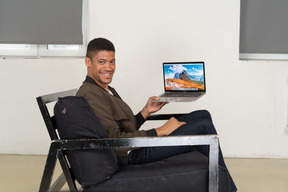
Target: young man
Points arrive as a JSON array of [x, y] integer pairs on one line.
[[118, 119]]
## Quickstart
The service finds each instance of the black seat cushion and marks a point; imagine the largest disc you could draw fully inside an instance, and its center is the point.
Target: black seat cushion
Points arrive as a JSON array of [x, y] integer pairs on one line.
[[75, 119], [184, 172]]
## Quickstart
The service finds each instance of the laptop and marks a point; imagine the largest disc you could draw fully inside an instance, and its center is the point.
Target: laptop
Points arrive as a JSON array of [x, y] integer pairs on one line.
[[183, 81]]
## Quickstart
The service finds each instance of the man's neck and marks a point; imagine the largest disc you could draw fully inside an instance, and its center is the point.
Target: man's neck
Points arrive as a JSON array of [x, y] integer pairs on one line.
[[93, 81], [104, 86]]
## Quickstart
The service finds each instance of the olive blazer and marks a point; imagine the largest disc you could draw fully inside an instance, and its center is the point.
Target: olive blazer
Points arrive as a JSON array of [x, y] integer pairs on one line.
[[114, 114]]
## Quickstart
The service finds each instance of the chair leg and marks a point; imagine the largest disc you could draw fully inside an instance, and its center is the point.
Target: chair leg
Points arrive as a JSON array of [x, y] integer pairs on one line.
[[65, 168], [48, 170], [58, 184], [214, 165]]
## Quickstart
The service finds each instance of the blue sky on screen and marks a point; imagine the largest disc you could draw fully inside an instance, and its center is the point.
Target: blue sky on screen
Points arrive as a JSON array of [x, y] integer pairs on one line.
[[192, 69]]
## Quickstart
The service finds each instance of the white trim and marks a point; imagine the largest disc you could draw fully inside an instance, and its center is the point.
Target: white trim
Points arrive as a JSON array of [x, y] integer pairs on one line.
[[63, 51], [18, 50], [257, 56]]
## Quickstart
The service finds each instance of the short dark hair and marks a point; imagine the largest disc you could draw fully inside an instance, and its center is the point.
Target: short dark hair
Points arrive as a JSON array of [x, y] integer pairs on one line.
[[99, 44]]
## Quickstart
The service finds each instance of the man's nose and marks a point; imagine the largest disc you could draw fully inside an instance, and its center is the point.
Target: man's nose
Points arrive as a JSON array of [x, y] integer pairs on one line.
[[108, 66]]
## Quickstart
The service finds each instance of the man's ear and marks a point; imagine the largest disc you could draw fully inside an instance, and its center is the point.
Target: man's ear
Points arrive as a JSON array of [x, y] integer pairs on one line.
[[88, 62]]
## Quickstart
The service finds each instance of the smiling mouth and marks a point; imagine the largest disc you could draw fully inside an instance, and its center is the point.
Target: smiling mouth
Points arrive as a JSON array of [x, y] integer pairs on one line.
[[106, 74]]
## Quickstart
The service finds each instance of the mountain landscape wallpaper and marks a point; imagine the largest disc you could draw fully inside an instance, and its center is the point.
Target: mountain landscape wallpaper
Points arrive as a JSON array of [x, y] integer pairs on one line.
[[184, 76]]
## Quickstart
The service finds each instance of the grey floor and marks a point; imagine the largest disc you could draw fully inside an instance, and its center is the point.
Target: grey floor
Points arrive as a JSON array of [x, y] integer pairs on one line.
[[23, 173]]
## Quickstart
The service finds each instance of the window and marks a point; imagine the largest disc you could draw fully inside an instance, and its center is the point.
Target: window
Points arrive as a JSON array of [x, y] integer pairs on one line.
[[264, 29], [70, 32]]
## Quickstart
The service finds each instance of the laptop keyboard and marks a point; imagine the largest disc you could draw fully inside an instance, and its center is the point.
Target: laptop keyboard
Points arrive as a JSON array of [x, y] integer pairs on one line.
[[186, 94]]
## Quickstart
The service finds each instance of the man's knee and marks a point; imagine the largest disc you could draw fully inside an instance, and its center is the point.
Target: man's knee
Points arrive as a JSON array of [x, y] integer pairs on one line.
[[208, 126], [205, 114]]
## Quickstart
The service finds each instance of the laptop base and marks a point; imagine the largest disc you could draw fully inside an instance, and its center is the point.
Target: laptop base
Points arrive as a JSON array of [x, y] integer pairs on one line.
[[177, 99]]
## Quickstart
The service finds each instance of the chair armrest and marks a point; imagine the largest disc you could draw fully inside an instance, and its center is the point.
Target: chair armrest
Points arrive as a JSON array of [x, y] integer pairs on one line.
[[164, 116], [135, 142]]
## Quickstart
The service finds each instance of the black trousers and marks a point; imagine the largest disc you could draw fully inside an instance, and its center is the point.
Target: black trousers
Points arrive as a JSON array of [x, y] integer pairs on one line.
[[197, 123]]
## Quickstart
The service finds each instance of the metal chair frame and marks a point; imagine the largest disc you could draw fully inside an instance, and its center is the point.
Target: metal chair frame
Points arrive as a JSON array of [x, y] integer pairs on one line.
[[58, 147]]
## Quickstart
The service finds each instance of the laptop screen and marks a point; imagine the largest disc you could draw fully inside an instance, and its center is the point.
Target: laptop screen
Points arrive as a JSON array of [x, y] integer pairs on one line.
[[184, 76]]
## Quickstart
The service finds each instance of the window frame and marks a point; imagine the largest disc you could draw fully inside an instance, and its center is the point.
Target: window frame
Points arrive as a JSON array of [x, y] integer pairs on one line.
[[258, 56]]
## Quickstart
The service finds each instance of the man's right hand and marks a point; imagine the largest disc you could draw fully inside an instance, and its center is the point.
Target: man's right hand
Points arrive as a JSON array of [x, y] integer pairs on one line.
[[152, 107], [171, 125]]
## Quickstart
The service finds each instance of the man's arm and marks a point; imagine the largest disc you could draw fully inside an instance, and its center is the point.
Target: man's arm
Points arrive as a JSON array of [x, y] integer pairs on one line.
[[171, 125], [152, 107], [139, 119]]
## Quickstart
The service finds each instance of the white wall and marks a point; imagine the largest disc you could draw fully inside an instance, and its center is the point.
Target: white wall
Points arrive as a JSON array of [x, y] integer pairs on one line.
[[247, 99]]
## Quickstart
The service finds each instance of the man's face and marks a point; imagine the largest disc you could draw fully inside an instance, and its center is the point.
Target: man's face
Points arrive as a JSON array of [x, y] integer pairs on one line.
[[102, 67]]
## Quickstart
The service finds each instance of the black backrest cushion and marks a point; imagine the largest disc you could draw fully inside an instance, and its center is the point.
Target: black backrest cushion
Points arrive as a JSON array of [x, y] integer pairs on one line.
[[75, 119]]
